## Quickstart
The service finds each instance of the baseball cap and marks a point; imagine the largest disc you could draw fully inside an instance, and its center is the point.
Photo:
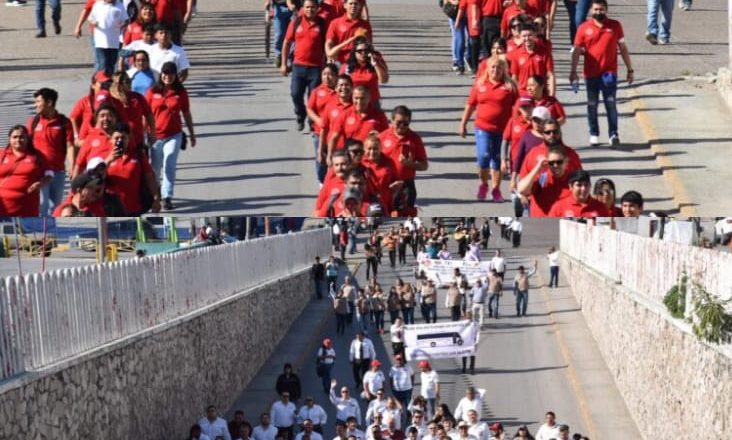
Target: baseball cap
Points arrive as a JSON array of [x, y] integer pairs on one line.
[[327, 342], [526, 101], [463, 424], [496, 426], [424, 364], [375, 363], [541, 112], [94, 162], [101, 76]]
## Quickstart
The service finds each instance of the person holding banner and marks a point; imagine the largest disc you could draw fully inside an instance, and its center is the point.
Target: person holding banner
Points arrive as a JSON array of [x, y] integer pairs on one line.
[[428, 301], [521, 288]]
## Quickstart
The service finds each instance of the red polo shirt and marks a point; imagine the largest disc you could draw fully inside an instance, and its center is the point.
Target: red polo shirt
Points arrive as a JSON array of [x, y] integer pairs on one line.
[[539, 152], [567, 206], [332, 183], [133, 32], [17, 173], [516, 127], [167, 107], [332, 112], [95, 209], [83, 111], [465, 6], [546, 191], [601, 46], [541, 6], [491, 8], [511, 12], [393, 146], [133, 114], [554, 106], [318, 101], [352, 124], [525, 64], [341, 29], [379, 175], [309, 42], [96, 144], [124, 177], [365, 76], [50, 140], [494, 102]]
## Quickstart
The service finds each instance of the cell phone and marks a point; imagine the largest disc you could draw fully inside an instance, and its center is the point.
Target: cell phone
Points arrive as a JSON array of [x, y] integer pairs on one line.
[[118, 146]]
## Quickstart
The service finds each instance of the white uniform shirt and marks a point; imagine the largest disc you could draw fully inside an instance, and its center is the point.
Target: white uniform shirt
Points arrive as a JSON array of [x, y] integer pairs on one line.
[[375, 380], [216, 428], [261, 433], [546, 432], [428, 384], [480, 431], [345, 408], [283, 416], [174, 54], [368, 350], [402, 377], [499, 264], [516, 226], [465, 405], [375, 406], [109, 19], [313, 436], [554, 258], [397, 333], [316, 414], [328, 352]]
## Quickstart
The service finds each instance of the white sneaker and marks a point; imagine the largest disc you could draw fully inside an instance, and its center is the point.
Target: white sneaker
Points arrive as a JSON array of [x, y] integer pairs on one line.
[[614, 141], [594, 141], [16, 3]]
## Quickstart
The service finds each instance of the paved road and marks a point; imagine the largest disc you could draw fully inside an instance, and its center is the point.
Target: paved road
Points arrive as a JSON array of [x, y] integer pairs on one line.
[[525, 365]]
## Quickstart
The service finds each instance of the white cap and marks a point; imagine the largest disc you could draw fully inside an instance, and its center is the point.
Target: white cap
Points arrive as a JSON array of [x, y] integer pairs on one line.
[[541, 113], [93, 163]]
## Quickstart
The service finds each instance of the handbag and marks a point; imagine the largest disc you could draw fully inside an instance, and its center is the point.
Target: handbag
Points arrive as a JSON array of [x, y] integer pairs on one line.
[[450, 9], [184, 141]]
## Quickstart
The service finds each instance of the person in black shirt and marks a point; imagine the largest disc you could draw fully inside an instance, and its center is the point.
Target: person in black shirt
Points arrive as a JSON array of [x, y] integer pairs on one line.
[[317, 273], [289, 382]]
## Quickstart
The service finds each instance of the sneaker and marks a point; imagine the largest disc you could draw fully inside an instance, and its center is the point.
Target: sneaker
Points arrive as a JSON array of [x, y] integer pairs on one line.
[[594, 141], [57, 27], [168, 204], [497, 196], [16, 3], [41, 34], [614, 141], [278, 61], [664, 42], [684, 6], [482, 191], [300, 124], [455, 67], [652, 38], [460, 71]]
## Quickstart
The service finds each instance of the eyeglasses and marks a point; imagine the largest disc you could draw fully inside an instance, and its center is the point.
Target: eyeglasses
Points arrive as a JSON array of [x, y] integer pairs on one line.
[[555, 163], [555, 131], [344, 391]]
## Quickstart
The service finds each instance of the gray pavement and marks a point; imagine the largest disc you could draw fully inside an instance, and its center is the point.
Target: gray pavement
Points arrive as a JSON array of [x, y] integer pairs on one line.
[[545, 361], [250, 159]]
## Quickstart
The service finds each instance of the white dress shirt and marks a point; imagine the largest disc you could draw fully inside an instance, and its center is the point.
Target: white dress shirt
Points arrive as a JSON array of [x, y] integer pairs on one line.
[[316, 414], [283, 416], [499, 264], [428, 384], [479, 430], [375, 406], [465, 405], [261, 433], [214, 429], [546, 432], [402, 377], [374, 379], [313, 436], [345, 408], [368, 350]]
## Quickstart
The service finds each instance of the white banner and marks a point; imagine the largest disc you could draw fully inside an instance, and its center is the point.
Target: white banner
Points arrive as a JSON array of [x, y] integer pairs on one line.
[[439, 341], [442, 271]]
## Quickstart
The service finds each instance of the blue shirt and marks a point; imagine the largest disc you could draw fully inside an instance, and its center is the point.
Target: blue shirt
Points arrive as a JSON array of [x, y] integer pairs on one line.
[[142, 80]]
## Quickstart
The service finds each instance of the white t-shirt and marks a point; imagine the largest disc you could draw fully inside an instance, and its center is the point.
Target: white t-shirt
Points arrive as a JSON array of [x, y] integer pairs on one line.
[[374, 380], [428, 382], [554, 258], [546, 432], [109, 19], [499, 264], [261, 433], [402, 377], [216, 428], [175, 54]]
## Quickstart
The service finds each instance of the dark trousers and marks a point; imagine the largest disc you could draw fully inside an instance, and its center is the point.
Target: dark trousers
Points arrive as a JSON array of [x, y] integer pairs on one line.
[[41, 13], [372, 264], [108, 58], [516, 238], [474, 57], [472, 363], [360, 367], [522, 302], [379, 319], [493, 309], [397, 348], [425, 309], [393, 315], [490, 31], [332, 280], [402, 253], [303, 78], [571, 7], [341, 320], [554, 276], [408, 314], [327, 369], [609, 91], [318, 288], [455, 312], [392, 258], [352, 310]]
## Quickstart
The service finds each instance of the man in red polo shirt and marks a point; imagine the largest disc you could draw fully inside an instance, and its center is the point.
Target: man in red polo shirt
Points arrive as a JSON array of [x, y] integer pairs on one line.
[[406, 150], [343, 30], [530, 59], [579, 203], [307, 31], [598, 39], [333, 186], [380, 171], [340, 102], [516, 8], [357, 121], [552, 134], [53, 137], [546, 183]]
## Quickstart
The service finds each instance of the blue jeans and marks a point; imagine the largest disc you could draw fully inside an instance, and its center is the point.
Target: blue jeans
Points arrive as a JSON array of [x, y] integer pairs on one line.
[[488, 149], [494, 299], [362, 321], [351, 243], [320, 169], [282, 18], [164, 159], [594, 87], [107, 58], [303, 78], [571, 7], [459, 38], [581, 11], [666, 7], [553, 276], [408, 314], [327, 368], [522, 301], [52, 194], [41, 13]]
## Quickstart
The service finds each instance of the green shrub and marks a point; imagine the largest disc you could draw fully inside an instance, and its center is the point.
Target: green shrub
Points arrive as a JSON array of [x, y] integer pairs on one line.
[[675, 298], [712, 323]]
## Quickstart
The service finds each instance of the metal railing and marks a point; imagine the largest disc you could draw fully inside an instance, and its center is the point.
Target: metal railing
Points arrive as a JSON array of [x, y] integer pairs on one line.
[[647, 266], [47, 317]]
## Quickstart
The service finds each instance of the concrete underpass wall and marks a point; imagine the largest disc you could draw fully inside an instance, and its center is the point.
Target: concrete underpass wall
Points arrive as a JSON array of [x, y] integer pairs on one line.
[[155, 384], [673, 384]]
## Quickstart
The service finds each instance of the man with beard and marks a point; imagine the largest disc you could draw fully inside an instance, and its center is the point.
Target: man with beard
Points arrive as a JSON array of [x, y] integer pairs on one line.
[[547, 182]]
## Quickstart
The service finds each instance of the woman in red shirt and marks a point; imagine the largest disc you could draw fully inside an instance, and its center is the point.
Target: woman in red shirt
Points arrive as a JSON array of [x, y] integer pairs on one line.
[[168, 100], [493, 96], [97, 142], [147, 16], [135, 109], [83, 111], [535, 88], [85, 198], [22, 174], [367, 68], [318, 100]]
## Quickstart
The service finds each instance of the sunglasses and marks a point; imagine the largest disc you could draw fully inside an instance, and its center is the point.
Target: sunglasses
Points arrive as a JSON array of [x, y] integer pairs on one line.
[[555, 163], [555, 131]]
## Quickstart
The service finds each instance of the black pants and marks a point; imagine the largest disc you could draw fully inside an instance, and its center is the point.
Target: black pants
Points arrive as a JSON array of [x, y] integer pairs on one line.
[[490, 31], [341, 320], [472, 364], [553, 276], [425, 309], [397, 348], [516, 239], [474, 56], [455, 312], [402, 253], [392, 258], [352, 310], [359, 369], [393, 315], [371, 265]]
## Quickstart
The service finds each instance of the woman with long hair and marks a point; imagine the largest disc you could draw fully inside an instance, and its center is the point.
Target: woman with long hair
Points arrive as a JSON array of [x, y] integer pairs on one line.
[[536, 88], [82, 114], [604, 191], [366, 68], [168, 100], [493, 96], [146, 17], [137, 113], [442, 412], [22, 174]]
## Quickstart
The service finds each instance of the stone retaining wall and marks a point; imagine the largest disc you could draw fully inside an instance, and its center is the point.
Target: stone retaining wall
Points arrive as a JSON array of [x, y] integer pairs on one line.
[[156, 384], [671, 382]]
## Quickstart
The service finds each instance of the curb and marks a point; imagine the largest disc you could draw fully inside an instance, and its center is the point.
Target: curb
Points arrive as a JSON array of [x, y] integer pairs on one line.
[[673, 181]]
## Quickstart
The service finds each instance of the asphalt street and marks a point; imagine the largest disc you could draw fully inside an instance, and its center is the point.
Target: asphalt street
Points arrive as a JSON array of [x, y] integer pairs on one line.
[[530, 365]]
